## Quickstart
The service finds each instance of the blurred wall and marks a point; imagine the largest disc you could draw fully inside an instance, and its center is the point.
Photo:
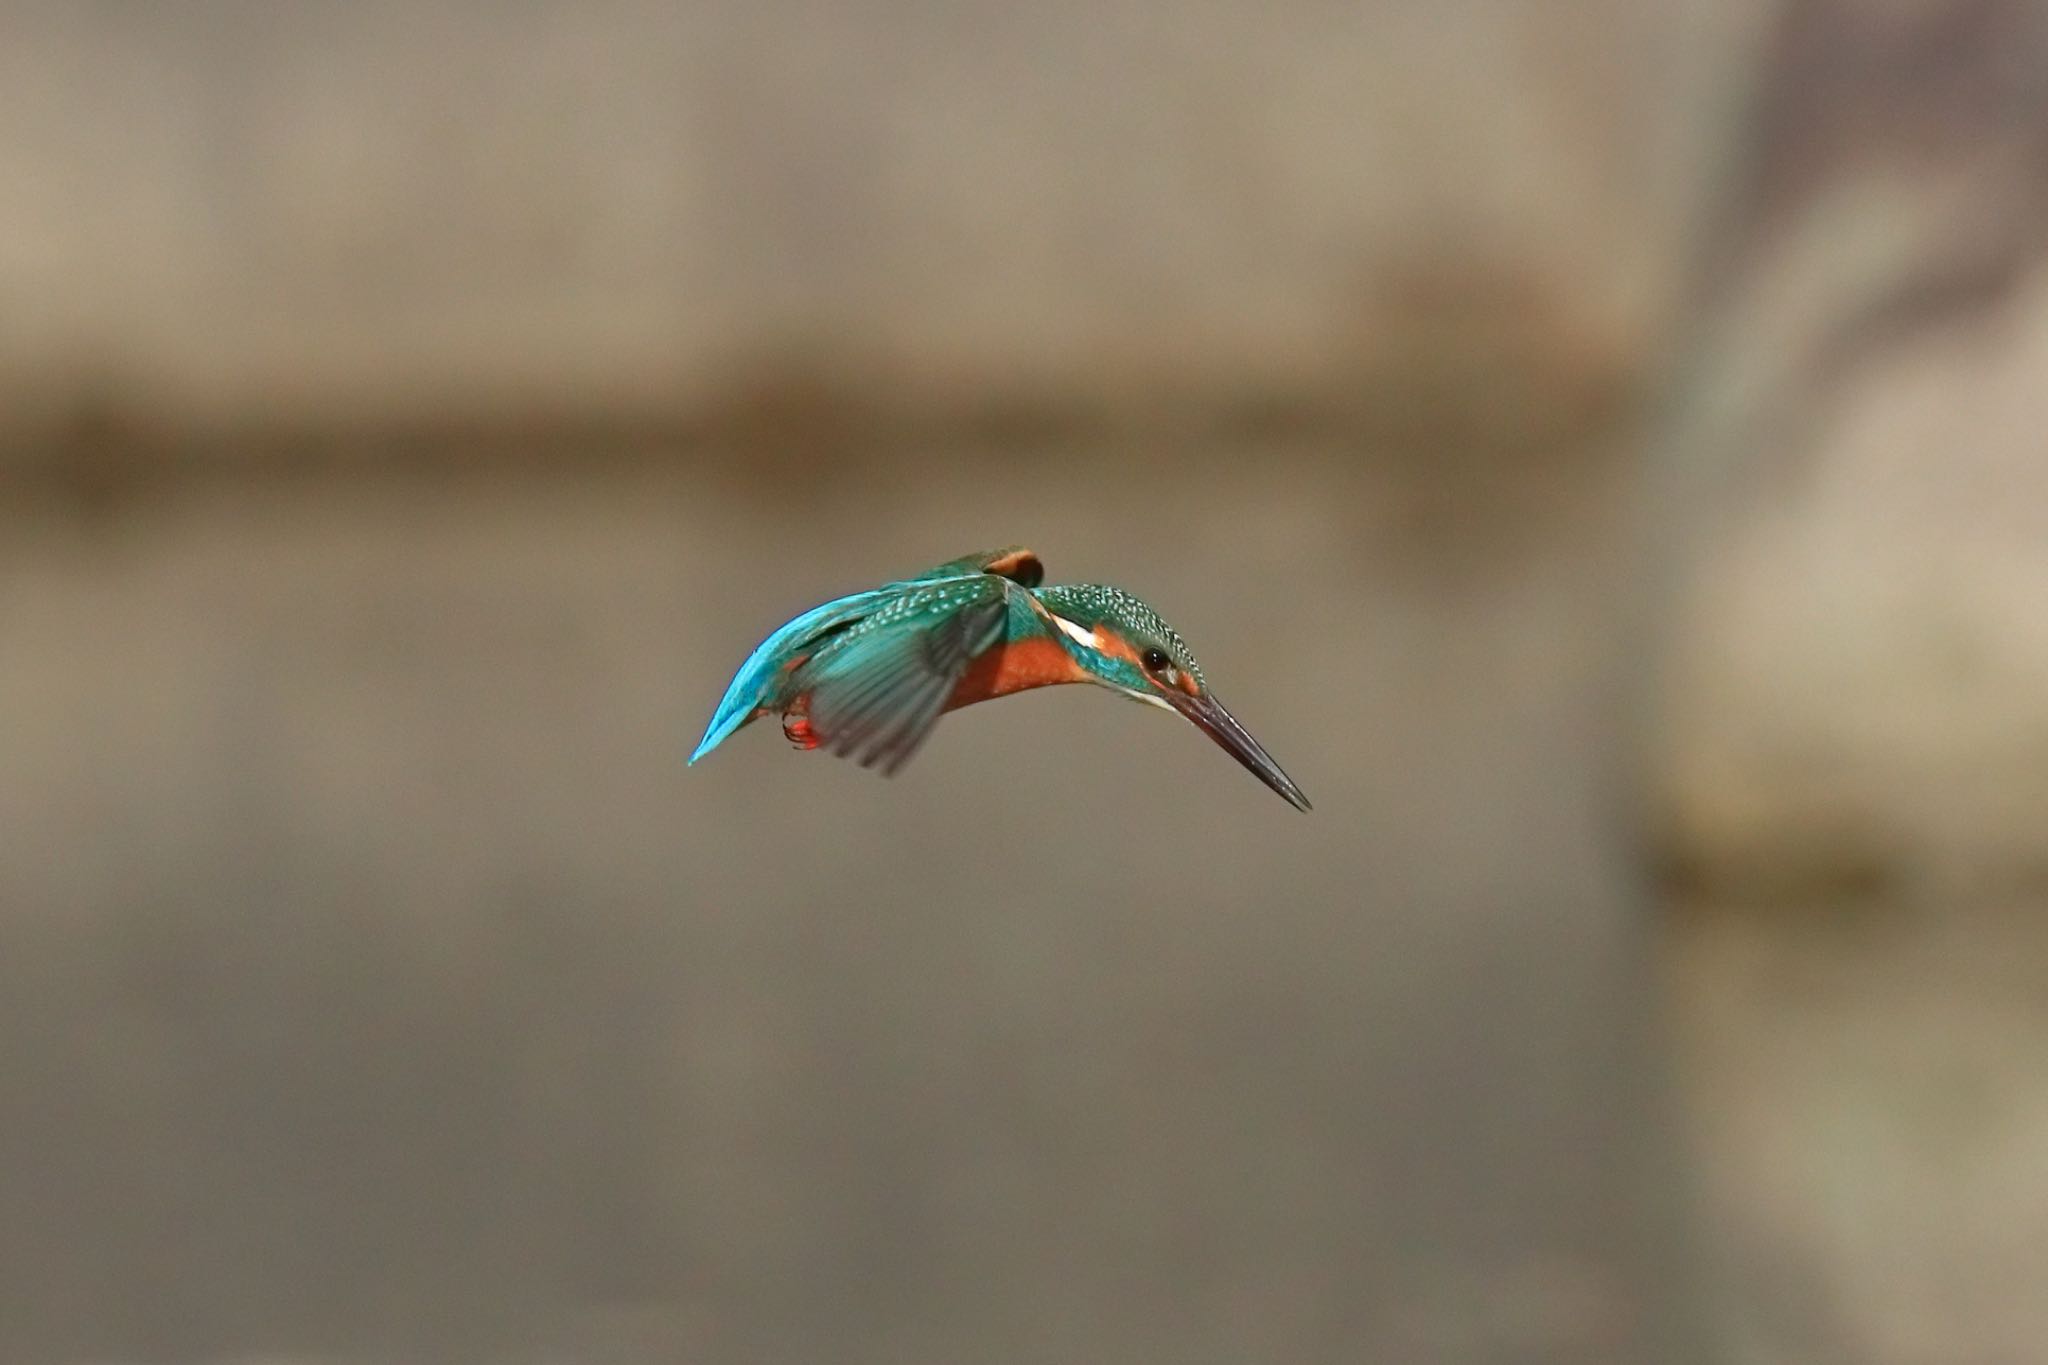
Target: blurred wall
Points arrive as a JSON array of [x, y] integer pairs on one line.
[[315, 213], [420, 409], [410, 412]]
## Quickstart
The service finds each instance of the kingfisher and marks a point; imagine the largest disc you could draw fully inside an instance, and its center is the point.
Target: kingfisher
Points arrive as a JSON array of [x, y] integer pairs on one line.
[[868, 675]]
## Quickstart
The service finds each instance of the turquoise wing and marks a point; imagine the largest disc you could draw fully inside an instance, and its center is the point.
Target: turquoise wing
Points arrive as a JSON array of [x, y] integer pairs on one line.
[[759, 678], [876, 691], [760, 681]]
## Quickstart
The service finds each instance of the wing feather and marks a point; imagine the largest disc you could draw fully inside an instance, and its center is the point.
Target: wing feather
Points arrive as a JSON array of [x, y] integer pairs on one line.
[[876, 691]]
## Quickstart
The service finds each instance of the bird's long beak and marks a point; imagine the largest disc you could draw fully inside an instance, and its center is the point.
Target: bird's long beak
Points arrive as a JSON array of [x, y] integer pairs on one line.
[[1221, 726]]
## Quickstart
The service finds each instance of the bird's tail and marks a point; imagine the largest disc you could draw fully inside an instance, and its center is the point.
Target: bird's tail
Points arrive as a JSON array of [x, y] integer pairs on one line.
[[754, 685]]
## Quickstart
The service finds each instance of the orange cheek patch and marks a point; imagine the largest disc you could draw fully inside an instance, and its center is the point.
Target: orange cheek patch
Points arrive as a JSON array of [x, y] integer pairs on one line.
[[1036, 662], [1115, 646]]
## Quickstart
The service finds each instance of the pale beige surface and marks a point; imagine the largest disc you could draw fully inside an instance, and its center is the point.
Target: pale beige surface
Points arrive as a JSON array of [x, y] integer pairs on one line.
[[1867, 1118]]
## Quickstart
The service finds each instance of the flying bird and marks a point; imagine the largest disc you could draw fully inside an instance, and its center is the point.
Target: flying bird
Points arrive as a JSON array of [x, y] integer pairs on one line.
[[868, 675]]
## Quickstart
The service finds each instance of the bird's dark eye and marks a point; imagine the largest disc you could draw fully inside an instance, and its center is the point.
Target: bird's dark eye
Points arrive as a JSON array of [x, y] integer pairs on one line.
[[1156, 661]]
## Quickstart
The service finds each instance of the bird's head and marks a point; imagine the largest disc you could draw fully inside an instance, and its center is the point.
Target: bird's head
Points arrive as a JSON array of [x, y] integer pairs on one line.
[[1121, 643]]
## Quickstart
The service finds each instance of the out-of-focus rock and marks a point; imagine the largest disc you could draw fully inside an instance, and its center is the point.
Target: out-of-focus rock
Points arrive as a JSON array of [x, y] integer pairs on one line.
[[1856, 689], [1861, 697], [1853, 735]]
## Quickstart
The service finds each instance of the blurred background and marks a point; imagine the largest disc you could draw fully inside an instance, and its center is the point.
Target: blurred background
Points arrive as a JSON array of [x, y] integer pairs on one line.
[[1595, 445]]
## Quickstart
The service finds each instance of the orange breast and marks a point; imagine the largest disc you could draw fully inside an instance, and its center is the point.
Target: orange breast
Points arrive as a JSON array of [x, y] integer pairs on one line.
[[1038, 661]]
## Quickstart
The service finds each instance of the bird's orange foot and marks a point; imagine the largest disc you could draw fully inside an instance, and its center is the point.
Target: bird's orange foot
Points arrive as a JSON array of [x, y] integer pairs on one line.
[[796, 728]]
